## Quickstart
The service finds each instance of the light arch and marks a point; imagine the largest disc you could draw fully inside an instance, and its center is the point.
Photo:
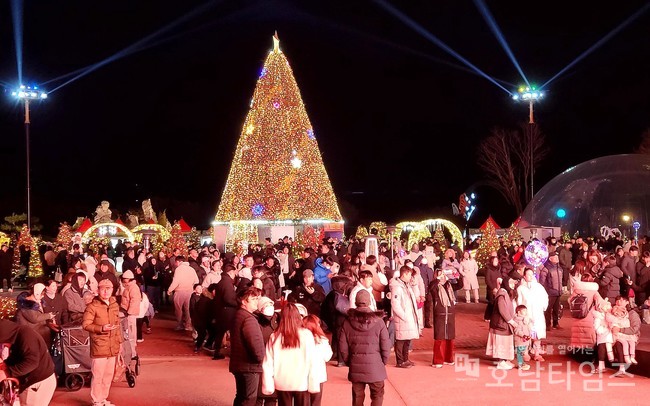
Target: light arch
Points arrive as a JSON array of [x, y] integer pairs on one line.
[[86, 235], [161, 230]]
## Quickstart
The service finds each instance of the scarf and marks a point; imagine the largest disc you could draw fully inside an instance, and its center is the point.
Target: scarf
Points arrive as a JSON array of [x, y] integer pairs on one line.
[[444, 294]]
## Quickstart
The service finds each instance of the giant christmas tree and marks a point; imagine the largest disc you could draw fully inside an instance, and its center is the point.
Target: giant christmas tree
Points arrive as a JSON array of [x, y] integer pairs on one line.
[[277, 173]]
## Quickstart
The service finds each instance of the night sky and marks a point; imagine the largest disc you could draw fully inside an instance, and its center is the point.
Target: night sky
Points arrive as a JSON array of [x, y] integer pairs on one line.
[[397, 119]]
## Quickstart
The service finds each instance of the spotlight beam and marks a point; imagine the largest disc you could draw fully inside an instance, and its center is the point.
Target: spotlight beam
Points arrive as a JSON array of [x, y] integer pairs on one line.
[[491, 22], [137, 45], [422, 31], [600, 42], [350, 30], [17, 18]]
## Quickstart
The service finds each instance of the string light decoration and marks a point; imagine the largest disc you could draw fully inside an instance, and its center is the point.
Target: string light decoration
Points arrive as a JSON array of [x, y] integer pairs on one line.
[[24, 239], [380, 226], [193, 238], [419, 233], [65, 236], [277, 173], [489, 243], [177, 240], [362, 232], [513, 233], [7, 308], [4, 239]]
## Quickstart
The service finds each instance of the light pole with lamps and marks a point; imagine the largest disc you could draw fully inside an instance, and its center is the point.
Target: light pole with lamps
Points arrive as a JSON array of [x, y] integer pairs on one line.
[[530, 95], [27, 94]]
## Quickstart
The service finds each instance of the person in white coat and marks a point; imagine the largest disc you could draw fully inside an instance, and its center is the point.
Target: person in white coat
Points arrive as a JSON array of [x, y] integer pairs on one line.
[[469, 270], [404, 308], [532, 294], [290, 366], [323, 354]]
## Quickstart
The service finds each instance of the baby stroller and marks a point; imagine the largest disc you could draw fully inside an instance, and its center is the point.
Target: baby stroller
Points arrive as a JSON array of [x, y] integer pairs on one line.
[[126, 360], [75, 345]]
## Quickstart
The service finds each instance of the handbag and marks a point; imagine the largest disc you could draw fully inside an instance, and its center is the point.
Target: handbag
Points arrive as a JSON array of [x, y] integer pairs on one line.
[[58, 275]]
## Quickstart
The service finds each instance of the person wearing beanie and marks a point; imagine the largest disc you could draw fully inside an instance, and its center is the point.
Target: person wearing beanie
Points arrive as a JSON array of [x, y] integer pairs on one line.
[[365, 347]]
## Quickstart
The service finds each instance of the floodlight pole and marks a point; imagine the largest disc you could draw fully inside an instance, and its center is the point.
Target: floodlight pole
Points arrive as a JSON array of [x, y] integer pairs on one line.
[[26, 94], [29, 188]]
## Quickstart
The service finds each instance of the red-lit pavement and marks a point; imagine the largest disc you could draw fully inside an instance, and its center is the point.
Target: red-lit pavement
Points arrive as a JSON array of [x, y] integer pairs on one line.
[[172, 375]]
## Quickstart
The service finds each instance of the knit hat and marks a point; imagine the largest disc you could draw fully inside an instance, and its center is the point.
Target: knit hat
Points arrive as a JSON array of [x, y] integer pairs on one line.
[[128, 275], [362, 299], [105, 282], [302, 310], [263, 302], [39, 288]]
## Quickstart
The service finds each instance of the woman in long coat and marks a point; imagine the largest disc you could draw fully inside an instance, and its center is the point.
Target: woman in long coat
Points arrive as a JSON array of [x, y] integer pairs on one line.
[[501, 343], [469, 269], [444, 319]]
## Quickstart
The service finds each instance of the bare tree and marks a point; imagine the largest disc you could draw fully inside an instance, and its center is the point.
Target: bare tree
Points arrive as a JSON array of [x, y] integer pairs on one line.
[[530, 148], [509, 157], [496, 159], [644, 145]]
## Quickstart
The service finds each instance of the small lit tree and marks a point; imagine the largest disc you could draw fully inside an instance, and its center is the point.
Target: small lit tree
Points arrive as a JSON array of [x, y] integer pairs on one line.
[[489, 244]]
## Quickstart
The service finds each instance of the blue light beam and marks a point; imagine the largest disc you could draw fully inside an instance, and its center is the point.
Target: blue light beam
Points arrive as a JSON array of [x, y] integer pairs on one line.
[[491, 22], [17, 18], [135, 46], [599, 43], [422, 31]]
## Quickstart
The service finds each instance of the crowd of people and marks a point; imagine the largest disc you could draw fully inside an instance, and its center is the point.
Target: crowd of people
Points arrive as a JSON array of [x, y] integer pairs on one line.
[[337, 303]]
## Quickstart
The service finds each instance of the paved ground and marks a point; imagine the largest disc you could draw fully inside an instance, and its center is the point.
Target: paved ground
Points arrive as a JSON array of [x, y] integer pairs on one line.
[[173, 375]]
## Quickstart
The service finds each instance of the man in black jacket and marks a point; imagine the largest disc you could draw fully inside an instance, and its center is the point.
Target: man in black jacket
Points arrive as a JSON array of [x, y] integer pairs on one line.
[[225, 305], [365, 347], [247, 352], [309, 294], [28, 361]]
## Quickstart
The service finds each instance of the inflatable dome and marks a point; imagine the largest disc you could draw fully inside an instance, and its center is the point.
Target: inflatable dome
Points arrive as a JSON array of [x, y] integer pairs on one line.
[[612, 191]]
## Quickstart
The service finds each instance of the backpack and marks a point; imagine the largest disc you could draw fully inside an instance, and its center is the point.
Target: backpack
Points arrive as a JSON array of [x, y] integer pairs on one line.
[[341, 303], [578, 305]]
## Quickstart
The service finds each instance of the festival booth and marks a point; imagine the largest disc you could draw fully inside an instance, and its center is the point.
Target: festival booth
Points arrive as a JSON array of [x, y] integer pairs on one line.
[[151, 235], [277, 185]]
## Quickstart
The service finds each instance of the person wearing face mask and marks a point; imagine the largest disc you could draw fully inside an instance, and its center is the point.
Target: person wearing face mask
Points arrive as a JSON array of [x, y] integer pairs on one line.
[[532, 294], [444, 319]]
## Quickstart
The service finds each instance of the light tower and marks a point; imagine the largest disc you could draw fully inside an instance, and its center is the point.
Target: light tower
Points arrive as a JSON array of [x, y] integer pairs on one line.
[[27, 94], [530, 94]]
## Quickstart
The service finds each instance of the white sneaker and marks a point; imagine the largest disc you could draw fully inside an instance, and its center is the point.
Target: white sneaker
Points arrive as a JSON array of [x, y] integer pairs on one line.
[[2, 290], [140, 340], [634, 361], [504, 365], [10, 290]]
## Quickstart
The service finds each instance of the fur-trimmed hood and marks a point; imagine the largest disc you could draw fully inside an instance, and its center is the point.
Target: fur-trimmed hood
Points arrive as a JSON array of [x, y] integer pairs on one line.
[[23, 303]]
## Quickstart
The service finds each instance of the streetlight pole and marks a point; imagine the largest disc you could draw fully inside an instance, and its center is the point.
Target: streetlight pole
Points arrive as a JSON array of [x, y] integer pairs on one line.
[[27, 94]]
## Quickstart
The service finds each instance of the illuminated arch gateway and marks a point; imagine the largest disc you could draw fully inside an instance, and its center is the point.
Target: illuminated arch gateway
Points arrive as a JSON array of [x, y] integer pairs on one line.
[[107, 230], [154, 228], [455, 232], [420, 226]]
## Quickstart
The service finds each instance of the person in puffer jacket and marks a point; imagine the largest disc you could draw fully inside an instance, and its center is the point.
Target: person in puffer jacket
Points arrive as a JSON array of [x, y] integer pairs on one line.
[[365, 347]]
